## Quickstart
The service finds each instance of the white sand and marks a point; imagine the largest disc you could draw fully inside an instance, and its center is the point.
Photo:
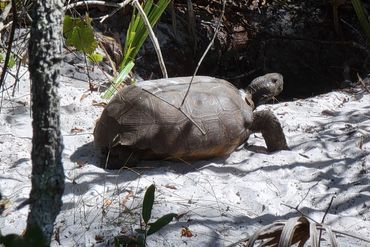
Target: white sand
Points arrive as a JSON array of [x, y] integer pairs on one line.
[[224, 200]]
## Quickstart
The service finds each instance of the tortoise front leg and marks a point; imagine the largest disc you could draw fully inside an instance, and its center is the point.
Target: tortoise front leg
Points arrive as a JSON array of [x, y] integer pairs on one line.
[[268, 124], [118, 157]]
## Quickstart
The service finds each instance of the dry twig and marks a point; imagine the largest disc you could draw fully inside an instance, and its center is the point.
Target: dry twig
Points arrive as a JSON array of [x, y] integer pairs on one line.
[[97, 3], [206, 51]]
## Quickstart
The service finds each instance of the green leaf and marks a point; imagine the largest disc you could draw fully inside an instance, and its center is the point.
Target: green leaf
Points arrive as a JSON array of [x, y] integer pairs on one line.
[[11, 62], [13, 240], [95, 57], [3, 4], [160, 223], [141, 241], [361, 16], [148, 203], [80, 34], [33, 237], [140, 231], [67, 24]]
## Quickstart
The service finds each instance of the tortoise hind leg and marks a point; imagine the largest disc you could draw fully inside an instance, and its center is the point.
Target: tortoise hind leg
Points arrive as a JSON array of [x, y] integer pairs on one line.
[[268, 124]]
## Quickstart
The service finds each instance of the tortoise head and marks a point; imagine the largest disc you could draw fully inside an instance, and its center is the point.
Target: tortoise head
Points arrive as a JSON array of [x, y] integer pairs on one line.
[[265, 88]]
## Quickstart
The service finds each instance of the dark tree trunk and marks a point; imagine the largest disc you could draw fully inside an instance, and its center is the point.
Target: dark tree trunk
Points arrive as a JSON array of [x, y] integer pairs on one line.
[[44, 49]]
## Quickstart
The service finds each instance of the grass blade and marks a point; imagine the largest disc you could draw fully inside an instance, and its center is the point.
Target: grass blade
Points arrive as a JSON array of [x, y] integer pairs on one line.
[[361, 15], [138, 33], [135, 38], [118, 79]]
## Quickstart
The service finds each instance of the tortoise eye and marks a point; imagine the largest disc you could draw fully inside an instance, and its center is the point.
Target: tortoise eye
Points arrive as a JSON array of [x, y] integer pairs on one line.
[[274, 80]]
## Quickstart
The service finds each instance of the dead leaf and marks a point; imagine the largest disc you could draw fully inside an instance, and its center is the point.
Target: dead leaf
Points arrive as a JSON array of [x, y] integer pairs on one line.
[[328, 113], [57, 235], [76, 130], [173, 187], [101, 104], [84, 96], [107, 202], [99, 238], [80, 163], [185, 232], [127, 197]]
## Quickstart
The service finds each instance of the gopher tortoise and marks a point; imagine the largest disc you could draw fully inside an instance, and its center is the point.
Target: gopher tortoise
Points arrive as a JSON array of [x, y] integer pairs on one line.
[[145, 121]]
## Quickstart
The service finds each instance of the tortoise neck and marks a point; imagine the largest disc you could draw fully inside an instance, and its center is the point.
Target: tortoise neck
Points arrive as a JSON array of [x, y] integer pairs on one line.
[[248, 97], [257, 95]]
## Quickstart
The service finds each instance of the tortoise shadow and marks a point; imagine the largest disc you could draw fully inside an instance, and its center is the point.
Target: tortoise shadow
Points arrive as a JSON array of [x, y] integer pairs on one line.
[[89, 154]]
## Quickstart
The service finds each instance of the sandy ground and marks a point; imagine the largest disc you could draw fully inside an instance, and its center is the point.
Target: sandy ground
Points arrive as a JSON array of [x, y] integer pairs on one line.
[[223, 200]]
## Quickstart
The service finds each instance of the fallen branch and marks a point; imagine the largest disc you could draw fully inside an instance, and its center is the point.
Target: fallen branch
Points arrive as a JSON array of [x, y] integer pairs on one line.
[[96, 3]]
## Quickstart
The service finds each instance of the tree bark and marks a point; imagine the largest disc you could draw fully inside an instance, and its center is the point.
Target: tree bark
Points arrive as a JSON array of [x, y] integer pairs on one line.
[[45, 56]]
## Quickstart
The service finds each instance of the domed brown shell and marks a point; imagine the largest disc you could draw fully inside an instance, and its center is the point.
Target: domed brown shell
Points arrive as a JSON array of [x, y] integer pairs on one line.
[[146, 119]]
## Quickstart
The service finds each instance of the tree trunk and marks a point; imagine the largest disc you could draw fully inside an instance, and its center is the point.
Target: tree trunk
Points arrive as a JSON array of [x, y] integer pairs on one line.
[[45, 47]]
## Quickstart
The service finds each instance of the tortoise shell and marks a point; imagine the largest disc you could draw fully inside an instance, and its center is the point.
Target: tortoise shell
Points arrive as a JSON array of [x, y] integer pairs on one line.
[[146, 119]]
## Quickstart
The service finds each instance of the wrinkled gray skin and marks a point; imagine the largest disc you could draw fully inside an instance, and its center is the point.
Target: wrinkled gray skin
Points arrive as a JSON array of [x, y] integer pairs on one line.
[[265, 88], [144, 122]]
